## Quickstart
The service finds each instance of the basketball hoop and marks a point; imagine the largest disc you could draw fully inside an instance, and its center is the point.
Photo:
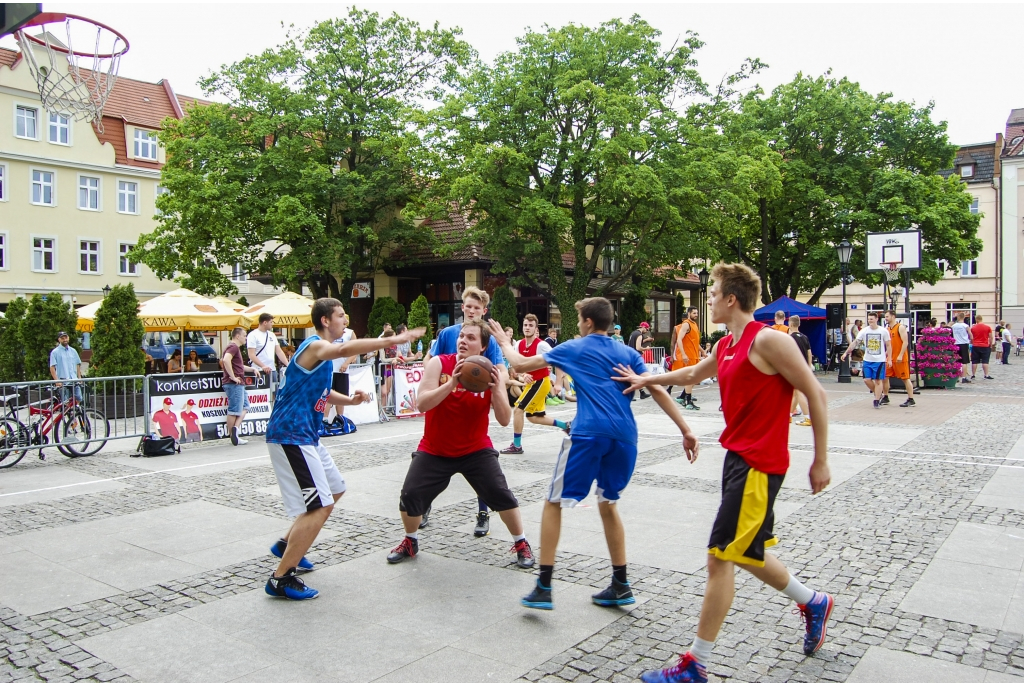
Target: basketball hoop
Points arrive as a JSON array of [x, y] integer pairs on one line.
[[892, 271], [78, 92]]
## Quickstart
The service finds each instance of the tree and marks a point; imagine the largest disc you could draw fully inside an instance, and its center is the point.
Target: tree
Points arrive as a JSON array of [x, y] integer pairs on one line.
[[117, 334], [633, 311], [12, 348], [503, 308], [680, 308], [304, 175], [419, 316], [384, 310], [571, 150], [850, 162], [45, 316]]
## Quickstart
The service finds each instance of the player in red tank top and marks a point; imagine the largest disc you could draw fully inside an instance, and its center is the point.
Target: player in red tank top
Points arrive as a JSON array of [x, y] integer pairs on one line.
[[455, 440], [757, 370]]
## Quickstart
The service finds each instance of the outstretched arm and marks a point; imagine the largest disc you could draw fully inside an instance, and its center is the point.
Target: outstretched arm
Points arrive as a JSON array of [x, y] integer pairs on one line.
[[520, 364], [691, 375]]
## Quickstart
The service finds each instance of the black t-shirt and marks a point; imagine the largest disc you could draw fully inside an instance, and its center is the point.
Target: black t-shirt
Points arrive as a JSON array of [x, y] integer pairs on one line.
[[633, 336], [802, 342]]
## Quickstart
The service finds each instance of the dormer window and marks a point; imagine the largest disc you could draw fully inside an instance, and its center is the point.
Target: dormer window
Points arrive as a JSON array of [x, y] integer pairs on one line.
[[145, 144], [967, 171]]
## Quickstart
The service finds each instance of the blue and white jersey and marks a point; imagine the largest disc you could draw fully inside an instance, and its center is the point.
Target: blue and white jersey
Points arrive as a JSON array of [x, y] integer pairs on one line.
[[298, 409]]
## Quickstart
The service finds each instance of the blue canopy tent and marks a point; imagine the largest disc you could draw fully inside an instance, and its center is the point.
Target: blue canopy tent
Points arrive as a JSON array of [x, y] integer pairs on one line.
[[812, 321]]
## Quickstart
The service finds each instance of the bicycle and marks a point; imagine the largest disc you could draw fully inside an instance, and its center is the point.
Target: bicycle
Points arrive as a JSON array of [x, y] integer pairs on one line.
[[86, 427]]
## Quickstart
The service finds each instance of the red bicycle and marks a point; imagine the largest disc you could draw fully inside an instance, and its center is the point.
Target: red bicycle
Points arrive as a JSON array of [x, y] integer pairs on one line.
[[78, 430]]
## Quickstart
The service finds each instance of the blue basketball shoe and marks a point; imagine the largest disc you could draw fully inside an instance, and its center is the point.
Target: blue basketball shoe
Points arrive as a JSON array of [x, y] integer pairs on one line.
[[278, 548], [688, 670]]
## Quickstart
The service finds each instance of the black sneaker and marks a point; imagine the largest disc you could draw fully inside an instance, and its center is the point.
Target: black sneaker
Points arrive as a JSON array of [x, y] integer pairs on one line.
[[876, 404], [884, 400], [989, 378], [972, 376], [289, 586], [483, 524], [644, 395], [234, 437], [539, 598], [615, 595], [965, 380], [909, 403], [691, 406], [423, 521], [406, 548], [524, 554]]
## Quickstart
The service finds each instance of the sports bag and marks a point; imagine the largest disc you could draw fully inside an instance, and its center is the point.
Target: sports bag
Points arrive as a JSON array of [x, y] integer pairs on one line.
[[341, 425], [151, 446]]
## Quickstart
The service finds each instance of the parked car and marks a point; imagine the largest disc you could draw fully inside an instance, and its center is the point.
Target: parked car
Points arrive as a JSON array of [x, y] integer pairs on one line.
[[160, 346]]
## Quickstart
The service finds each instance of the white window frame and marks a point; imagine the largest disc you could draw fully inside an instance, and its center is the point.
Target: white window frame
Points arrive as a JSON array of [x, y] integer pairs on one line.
[[32, 182], [98, 190], [126, 194], [50, 123], [970, 308], [35, 108], [973, 263], [158, 190], [122, 260], [967, 171], [32, 253], [975, 202], [145, 140], [5, 242], [238, 275], [4, 189], [98, 252]]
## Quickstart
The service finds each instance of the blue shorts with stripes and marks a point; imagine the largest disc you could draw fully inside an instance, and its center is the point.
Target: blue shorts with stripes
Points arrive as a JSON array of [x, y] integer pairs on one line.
[[584, 459]]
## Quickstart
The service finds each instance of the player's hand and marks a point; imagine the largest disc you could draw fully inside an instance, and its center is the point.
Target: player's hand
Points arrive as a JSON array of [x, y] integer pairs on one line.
[[498, 333], [360, 397], [495, 378], [820, 476], [456, 373], [627, 375], [410, 335], [691, 445], [686, 360]]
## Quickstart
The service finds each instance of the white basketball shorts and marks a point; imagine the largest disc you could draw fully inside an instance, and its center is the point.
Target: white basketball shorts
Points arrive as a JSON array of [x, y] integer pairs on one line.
[[306, 475]]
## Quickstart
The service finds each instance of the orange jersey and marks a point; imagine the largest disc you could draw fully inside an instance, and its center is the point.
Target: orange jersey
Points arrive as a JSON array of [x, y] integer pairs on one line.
[[781, 327], [690, 345], [901, 368]]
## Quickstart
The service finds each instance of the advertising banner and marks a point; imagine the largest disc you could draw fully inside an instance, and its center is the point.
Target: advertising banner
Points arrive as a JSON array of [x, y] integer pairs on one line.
[[192, 407], [407, 385], [360, 377]]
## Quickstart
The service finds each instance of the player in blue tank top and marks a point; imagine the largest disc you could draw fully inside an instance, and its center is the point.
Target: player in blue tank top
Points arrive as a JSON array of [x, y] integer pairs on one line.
[[309, 480]]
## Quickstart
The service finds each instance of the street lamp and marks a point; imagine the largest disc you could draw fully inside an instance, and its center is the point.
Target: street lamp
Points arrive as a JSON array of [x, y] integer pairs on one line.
[[106, 290], [845, 251], [703, 275]]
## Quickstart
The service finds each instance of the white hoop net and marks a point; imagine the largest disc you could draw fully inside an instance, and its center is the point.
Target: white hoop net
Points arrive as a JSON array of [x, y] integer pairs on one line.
[[892, 272], [77, 92]]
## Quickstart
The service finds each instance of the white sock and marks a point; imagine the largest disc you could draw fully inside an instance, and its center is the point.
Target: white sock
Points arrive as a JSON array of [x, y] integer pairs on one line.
[[517, 538], [414, 536], [798, 592], [701, 650]]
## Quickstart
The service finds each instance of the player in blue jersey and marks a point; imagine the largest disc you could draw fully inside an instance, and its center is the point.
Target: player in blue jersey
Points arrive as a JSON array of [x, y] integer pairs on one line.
[[602, 446], [310, 482]]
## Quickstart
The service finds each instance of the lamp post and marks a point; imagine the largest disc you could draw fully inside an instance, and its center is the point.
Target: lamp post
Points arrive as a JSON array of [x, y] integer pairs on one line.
[[845, 252], [106, 291], [703, 276]]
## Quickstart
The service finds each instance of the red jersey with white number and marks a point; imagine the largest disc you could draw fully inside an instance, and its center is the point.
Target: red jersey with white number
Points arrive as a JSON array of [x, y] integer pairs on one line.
[[457, 426], [756, 406], [531, 351]]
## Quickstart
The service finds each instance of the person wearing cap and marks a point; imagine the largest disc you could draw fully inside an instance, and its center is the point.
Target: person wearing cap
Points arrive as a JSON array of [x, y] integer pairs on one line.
[[166, 420], [190, 423], [65, 364], [639, 340], [617, 333]]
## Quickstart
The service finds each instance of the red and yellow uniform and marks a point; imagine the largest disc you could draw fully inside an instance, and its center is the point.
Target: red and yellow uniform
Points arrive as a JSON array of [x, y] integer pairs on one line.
[[690, 345], [898, 369]]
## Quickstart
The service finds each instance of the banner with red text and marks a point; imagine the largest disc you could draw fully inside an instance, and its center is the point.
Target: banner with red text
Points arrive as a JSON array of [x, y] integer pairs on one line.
[[407, 385], [192, 407]]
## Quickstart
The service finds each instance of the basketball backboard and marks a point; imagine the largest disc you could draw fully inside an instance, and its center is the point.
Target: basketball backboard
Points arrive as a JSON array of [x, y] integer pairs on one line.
[[893, 247], [14, 15]]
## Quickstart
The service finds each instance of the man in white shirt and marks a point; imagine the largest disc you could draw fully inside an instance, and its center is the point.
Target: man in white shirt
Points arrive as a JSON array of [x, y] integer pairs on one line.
[[962, 338], [261, 344], [1007, 339], [877, 355]]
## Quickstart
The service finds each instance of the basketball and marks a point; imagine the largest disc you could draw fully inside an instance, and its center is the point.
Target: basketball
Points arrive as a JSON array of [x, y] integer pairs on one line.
[[476, 373]]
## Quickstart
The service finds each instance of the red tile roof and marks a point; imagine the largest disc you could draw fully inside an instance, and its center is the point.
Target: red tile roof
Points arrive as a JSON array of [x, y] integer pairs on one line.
[[1014, 137], [8, 57]]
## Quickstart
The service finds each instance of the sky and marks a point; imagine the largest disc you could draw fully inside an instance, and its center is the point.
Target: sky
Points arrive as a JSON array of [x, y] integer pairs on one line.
[[961, 56]]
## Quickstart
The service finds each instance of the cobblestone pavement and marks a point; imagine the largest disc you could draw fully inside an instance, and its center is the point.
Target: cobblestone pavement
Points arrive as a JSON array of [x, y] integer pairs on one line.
[[874, 540]]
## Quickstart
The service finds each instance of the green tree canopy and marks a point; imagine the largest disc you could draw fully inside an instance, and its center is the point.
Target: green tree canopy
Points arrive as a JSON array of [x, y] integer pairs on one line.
[[117, 334], [850, 163], [503, 308], [632, 312], [385, 310], [45, 316], [419, 316], [573, 147], [304, 174], [12, 348]]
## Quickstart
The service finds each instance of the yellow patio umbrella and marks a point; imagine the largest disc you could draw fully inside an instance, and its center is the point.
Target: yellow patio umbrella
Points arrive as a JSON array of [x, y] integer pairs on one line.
[[87, 316], [290, 310], [228, 302], [177, 310]]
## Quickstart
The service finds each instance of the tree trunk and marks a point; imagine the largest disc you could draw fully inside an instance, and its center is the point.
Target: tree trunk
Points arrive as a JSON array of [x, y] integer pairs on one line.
[[766, 297]]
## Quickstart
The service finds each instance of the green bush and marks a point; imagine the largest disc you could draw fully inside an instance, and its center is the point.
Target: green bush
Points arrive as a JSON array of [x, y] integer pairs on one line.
[[713, 338], [632, 312], [385, 310], [45, 317], [503, 308], [419, 315], [12, 349], [116, 336], [680, 308]]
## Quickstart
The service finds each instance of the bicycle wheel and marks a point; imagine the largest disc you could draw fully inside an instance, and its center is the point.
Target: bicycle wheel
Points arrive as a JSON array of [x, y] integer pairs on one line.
[[88, 425], [14, 442]]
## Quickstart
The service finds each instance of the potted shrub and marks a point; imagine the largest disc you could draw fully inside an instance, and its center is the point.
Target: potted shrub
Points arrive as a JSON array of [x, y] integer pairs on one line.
[[937, 358], [117, 335]]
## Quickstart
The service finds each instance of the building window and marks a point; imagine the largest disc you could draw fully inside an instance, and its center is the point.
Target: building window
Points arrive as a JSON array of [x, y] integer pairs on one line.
[[3, 251], [89, 193], [44, 254], [89, 256], [26, 122], [974, 206], [60, 129], [145, 144], [160, 190], [125, 266], [969, 267], [967, 171], [238, 274], [3, 183], [941, 264], [663, 316], [127, 197], [968, 309], [42, 188]]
